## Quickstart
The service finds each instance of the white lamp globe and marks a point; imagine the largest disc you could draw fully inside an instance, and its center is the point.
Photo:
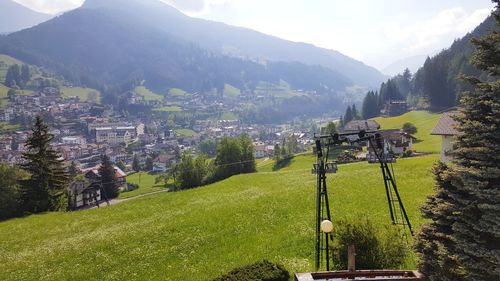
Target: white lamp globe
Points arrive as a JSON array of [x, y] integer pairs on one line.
[[326, 226]]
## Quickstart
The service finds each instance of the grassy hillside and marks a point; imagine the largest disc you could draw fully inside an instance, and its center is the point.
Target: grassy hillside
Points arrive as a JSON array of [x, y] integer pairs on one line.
[[230, 91], [147, 94], [185, 133], [85, 94], [168, 109], [424, 121], [146, 184], [201, 233], [5, 62]]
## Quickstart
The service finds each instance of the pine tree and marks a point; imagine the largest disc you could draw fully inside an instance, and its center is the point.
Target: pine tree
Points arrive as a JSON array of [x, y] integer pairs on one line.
[[348, 117], [108, 178], [46, 189], [355, 113], [72, 170], [25, 73], [462, 240], [135, 164], [248, 164]]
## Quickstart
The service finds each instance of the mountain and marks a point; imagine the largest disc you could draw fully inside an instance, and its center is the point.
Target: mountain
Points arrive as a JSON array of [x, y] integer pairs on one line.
[[14, 17], [413, 63], [240, 42], [115, 41], [437, 78]]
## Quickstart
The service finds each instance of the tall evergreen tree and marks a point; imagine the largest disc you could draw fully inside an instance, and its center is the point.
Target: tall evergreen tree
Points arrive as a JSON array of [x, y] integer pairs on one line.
[[370, 106], [248, 164], [25, 73], [108, 178], [462, 241], [348, 117], [135, 164], [355, 113], [46, 189]]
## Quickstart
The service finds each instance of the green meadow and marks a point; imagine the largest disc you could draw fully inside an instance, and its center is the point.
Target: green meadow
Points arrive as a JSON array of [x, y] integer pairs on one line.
[[84, 94], [147, 94], [201, 233], [424, 121], [146, 184]]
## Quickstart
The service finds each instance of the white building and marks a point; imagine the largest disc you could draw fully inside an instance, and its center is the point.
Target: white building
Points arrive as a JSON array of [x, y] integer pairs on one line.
[[446, 128], [73, 140], [116, 135]]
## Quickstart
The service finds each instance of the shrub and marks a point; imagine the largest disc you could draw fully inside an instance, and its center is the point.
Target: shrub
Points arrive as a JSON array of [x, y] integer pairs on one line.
[[374, 249], [409, 128], [260, 271]]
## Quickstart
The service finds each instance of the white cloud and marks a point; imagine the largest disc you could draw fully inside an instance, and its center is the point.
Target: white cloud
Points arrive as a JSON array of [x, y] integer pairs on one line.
[[197, 7], [51, 6], [425, 37], [448, 24]]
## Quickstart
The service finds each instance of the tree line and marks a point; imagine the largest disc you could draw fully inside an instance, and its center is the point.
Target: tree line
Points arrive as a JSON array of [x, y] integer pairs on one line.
[[17, 76], [234, 156]]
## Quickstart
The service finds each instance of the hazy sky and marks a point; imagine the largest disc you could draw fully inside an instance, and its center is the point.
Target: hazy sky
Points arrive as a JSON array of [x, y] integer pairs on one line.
[[375, 32]]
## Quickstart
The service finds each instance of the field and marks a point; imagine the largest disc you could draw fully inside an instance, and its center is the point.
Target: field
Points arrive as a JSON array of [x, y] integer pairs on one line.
[[8, 128], [228, 116], [174, 92], [147, 94], [424, 121], [201, 233], [185, 133], [168, 109], [85, 94], [230, 91], [146, 184]]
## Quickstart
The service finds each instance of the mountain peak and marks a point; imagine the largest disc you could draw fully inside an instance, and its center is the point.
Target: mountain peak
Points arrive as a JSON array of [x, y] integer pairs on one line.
[[14, 16]]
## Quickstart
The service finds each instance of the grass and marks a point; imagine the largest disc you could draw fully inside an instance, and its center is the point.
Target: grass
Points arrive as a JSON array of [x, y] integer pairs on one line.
[[230, 91], [228, 116], [185, 133], [146, 184], [175, 92], [147, 94], [6, 128], [424, 121], [85, 94], [202, 233], [168, 109]]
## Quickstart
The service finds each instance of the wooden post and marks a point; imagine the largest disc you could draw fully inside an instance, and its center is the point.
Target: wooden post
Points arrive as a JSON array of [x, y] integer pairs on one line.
[[351, 258]]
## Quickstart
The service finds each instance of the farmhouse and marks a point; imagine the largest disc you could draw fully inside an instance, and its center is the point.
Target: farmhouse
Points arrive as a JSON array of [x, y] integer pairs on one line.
[[83, 195], [446, 128], [92, 174], [358, 125], [396, 142]]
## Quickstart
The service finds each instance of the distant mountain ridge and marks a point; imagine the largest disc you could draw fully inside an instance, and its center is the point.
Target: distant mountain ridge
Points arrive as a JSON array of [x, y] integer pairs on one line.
[[115, 41], [241, 41], [14, 17]]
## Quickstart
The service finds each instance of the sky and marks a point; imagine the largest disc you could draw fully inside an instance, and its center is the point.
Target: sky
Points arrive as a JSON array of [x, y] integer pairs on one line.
[[376, 32]]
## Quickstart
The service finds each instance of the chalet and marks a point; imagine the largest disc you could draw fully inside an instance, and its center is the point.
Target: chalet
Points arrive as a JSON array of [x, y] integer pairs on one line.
[[163, 162], [396, 142], [83, 195], [355, 126], [92, 174], [446, 128], [395, 108]]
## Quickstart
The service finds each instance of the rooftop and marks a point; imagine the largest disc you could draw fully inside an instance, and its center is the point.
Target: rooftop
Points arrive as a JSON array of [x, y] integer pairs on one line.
[[446, 125]]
